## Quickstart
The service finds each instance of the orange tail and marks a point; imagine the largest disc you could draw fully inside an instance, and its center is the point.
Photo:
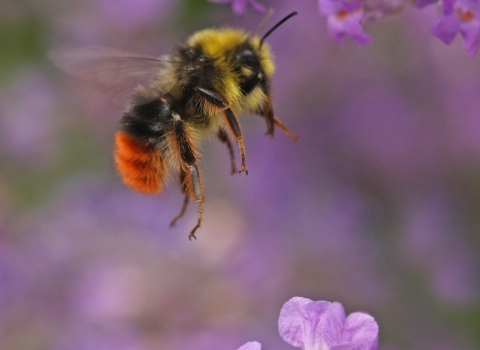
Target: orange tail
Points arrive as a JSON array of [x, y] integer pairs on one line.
[[140, 164]]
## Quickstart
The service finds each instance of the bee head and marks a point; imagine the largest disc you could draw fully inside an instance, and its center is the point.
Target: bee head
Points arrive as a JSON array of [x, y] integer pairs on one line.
[[255, 60], [254, 65], [234, 62]]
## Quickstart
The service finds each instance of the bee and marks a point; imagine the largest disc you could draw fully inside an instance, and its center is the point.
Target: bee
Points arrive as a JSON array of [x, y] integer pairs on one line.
[[196, 91]]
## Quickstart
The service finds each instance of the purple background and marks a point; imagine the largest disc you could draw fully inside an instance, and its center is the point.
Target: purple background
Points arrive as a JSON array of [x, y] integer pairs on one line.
[[377, 205]]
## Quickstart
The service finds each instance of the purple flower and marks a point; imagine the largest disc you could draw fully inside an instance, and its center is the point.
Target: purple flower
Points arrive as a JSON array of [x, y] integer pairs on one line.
[[239, 6], [459, 16], [321, 325], [380, 8], [253, 345], [344, 19], [423, 3]]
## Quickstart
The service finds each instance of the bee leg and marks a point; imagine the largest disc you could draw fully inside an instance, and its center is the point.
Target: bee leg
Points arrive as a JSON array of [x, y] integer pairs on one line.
[[192, 184], [224, 138], [184, 141], [236, 132], [183, 211], [189, 170], [267, 113], [213, 97], [282, 127], [185, 190], [221, 102], [196, 186]]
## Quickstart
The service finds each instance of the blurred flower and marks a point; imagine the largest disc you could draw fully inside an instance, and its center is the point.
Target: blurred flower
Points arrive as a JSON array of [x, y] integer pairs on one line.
[[115, 22], [239, 6], [380, 8], [254, 345], [459, 16], [344, 19], [463, 123], [136, 13], [113, 276], [221, 338], [321, 325], [423, 3], [83, 338], [380, 128], [435, 247], [28, 121]]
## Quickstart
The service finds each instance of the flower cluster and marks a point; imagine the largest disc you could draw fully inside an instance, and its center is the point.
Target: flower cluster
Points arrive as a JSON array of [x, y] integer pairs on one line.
[[345, 18], [321, 325], [239, 6], [459, 16]]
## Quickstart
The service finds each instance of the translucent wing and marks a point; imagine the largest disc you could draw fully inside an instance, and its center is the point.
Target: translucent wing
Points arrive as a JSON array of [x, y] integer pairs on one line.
[[109, 68]]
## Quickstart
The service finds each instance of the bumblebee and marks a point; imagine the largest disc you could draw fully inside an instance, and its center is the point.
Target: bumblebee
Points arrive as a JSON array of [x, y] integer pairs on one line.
[[196, 91]]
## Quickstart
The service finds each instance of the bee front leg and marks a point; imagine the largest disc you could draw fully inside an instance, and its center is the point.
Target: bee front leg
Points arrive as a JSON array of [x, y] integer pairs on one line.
[[282, 127], [192, 183], [220, 102], [267, 113]]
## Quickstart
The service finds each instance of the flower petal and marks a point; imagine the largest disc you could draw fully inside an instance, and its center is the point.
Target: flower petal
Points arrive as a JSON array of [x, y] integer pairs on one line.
[[306, 324], [253, 345], [470, 34], [446, 28], [258, 6], [422, 3], [239, 6], [344, 19], [361, 329], [338, 319]]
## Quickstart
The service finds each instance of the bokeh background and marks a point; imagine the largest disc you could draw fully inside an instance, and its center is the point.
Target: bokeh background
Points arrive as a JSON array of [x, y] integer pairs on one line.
[[377, 205]]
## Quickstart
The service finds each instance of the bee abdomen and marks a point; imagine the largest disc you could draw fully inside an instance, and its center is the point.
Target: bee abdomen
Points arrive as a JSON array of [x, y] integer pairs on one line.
[[139, 163]]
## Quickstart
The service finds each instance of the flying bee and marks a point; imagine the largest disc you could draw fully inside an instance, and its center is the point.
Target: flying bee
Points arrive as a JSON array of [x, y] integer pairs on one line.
[[196, 91]]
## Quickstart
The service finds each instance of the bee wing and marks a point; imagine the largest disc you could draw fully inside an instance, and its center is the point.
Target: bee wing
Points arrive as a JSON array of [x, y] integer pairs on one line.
[[109, 68]]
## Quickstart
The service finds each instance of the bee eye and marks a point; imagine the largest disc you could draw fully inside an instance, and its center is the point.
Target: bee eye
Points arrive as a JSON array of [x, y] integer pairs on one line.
[[191, 54], [244, 55]]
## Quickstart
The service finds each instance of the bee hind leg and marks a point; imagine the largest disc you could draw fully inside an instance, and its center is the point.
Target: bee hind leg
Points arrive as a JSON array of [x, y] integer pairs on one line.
[[196, 189], [191, 185], [189, 174], [186, 201], [224, 138]]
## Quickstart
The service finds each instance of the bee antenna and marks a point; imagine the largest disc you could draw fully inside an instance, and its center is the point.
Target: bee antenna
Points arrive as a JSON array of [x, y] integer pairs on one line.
[[294, 13]]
